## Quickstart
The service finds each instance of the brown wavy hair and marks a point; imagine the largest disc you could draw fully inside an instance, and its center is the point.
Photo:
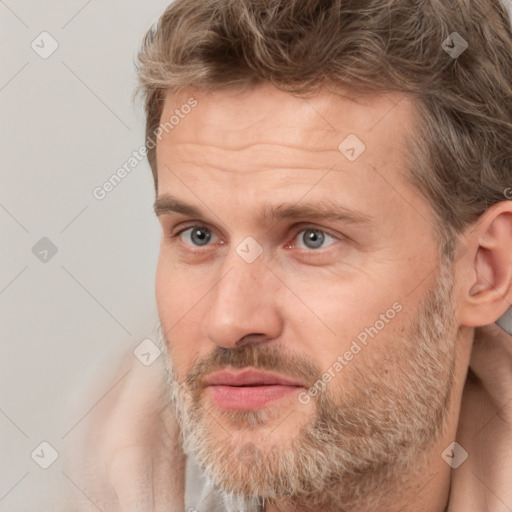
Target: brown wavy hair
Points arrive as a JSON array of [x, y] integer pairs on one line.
[[460, 148]]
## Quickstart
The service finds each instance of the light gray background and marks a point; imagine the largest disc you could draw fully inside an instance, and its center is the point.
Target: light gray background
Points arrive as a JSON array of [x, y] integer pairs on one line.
[[67, 124]]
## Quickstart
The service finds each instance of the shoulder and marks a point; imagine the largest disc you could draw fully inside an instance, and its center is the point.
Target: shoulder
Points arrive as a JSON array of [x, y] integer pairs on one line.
[[125, 453]]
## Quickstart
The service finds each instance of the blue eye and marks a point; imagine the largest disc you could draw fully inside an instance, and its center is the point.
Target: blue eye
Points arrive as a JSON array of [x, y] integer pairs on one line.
[[199, 234], [313, 238]]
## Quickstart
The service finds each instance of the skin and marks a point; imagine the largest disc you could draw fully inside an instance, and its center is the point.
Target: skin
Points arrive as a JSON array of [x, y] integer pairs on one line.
[[235, 153]]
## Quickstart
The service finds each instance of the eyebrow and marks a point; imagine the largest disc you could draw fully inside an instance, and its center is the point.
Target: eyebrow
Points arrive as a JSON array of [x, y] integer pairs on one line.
[[323, 210]]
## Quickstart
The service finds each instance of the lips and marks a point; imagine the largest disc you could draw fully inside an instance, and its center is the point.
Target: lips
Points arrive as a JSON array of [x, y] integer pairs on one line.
[[249, 389], [250, 378]]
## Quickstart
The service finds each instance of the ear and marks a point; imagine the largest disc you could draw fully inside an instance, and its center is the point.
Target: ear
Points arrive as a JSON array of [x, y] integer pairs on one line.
[[487, 287]]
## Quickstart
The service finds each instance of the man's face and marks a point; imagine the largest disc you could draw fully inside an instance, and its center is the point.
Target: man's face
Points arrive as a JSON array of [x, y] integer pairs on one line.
[[347, 307]]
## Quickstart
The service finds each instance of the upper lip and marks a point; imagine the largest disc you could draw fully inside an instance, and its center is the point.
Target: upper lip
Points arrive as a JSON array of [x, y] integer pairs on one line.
[[249, 378]]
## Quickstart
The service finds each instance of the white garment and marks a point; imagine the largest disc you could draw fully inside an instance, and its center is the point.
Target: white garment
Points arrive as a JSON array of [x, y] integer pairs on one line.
[[202, 496]]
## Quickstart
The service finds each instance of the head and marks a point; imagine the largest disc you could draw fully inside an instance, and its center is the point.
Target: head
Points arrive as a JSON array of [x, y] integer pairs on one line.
[[344, 175]]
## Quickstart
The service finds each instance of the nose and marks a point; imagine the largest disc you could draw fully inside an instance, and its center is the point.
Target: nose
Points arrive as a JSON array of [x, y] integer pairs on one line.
[[243, 305]]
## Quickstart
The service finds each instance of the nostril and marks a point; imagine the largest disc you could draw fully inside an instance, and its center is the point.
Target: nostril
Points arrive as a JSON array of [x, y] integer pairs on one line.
[[249, 337]]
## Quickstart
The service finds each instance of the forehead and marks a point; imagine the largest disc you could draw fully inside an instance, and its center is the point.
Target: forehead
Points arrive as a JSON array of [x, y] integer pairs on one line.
[[241, 143], [265, 115]]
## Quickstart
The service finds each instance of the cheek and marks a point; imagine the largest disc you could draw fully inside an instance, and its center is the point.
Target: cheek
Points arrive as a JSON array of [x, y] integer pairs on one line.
[[162, 287], [348, 317], [177, 314], [321, 316], [171, 298]]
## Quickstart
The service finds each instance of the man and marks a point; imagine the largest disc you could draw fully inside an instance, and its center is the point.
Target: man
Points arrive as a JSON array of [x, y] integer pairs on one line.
[[332, 185]]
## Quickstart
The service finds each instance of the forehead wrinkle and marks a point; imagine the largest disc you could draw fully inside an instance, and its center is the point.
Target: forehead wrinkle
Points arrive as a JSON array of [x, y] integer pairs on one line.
[[199, 146], [248, 158]]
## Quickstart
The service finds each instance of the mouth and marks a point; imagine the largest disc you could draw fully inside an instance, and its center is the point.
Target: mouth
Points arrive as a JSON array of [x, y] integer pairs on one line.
[[249, 389]]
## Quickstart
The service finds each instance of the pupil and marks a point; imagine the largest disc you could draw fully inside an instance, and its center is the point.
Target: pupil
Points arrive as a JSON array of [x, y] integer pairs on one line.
[[201, 235], [315, 237]]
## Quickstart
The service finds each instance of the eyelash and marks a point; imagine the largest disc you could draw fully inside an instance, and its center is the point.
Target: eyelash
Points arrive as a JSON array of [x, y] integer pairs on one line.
[[296, 232]]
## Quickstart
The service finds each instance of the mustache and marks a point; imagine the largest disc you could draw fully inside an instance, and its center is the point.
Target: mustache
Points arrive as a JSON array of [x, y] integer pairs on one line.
[[258, 356]]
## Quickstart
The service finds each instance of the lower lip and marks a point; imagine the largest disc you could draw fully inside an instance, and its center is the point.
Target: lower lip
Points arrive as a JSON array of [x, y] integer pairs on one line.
[[250, 397]]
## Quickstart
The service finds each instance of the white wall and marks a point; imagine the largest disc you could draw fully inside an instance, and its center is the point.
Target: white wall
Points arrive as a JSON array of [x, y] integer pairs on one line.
[[66, 125]]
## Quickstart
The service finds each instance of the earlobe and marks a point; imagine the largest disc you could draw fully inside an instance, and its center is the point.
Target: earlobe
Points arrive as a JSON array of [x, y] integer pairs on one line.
[[489, 289]]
